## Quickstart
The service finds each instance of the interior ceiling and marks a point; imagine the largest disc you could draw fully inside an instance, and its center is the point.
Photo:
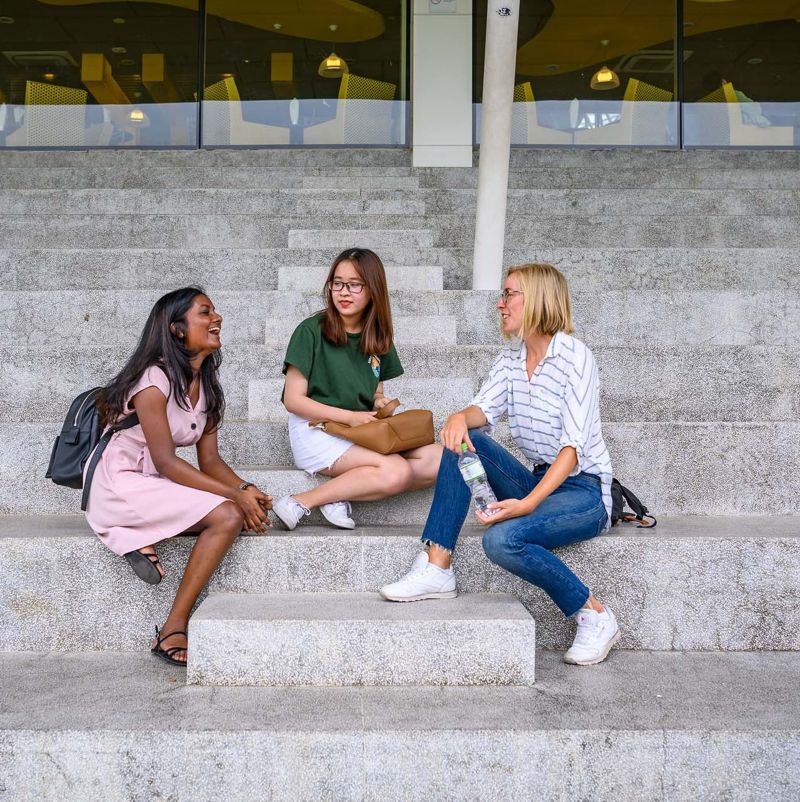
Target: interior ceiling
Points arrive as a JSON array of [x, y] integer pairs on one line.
[[572, 35], [308, 19]]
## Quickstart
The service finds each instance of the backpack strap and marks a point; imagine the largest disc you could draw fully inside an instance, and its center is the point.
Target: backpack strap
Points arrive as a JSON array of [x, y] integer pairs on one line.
[[102, 443]]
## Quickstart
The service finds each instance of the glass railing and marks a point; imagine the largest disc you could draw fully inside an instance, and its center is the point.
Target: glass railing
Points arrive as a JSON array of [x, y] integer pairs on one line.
[[305, 122], [97, 126], [741, 124], [591, 123]]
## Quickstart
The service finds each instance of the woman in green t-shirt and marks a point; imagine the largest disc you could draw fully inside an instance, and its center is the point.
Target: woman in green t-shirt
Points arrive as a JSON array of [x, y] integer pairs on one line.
[[335, 366]]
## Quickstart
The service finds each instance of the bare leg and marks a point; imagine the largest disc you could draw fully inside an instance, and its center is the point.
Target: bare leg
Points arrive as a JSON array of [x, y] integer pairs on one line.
[[424, 464], [219, 529], [360, 475]]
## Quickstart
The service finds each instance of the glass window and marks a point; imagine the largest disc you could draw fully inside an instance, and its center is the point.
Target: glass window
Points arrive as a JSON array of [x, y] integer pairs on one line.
[[742, 73], [591, 72], [320, 72], [77, 74]]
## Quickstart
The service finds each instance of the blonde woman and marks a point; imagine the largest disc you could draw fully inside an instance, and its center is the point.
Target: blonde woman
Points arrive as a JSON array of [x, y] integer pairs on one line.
[[546, 381]]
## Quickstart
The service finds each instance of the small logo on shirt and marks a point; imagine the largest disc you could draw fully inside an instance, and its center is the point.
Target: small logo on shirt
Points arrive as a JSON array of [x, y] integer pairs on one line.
[[375, 364]]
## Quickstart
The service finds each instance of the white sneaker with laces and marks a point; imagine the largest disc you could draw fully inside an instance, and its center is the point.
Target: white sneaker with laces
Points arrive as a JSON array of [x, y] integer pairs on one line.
[[597, 633], [423, 581], [289, 511], [338, 513]]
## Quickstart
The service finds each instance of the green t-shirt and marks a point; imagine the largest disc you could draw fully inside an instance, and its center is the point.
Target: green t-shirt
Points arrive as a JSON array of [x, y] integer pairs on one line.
[[339, 375]]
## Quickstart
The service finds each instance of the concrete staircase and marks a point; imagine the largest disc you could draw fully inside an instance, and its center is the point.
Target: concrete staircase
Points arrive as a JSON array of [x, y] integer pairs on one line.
[[684, 271]]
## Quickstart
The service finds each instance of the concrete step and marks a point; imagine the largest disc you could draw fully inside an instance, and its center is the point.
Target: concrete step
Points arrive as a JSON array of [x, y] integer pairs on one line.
[[656, 384], [376, 181], [642, 319], [678, 727], [277, 200], [677, 468], [215, 268], [555, 202], [363, 238], [590, 175], [212, 231], [692, 583], [335, 639]]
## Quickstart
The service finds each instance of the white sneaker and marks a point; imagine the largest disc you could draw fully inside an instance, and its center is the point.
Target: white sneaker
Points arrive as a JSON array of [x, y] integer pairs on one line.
[[338, 513], [423, 581], [597, 633], [289, 511]]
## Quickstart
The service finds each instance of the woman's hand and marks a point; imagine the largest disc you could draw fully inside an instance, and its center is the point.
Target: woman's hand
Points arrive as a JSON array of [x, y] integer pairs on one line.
[[381, 402], [251, 502], [359, 418], [455, 432], [503, 510]]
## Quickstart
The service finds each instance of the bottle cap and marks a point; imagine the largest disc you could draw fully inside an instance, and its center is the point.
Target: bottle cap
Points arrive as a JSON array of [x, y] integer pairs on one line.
[[463, 447]]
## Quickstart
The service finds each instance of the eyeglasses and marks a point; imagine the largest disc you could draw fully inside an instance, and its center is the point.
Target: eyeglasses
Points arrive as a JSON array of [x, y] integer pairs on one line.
[[354, 287], [506, 294]]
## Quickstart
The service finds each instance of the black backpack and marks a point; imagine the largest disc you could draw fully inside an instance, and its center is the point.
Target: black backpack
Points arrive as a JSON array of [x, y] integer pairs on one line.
[[619, 496], [80, 435]]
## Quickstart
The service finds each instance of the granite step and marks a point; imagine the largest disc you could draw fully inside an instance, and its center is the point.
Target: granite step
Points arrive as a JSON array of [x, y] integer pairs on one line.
[[691, 583], [644, 727], [336, 639]]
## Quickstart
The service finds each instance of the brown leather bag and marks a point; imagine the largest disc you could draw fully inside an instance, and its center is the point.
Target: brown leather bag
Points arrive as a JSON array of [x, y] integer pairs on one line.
[[387, 434]]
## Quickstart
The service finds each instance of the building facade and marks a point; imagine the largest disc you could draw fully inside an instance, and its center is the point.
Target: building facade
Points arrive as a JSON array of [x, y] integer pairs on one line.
[[396, 73]]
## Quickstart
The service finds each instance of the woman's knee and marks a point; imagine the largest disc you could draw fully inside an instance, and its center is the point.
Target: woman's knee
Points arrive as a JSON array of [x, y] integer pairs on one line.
[[227, 518], [396, 474], [498, 542]]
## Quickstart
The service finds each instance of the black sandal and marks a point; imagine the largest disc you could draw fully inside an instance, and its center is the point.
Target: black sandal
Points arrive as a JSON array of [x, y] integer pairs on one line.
[[145, 566], [167, 654]]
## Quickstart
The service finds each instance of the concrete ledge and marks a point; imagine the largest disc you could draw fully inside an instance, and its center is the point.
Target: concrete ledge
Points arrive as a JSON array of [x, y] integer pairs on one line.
[[324, 639], [724, 584], [676, 727]]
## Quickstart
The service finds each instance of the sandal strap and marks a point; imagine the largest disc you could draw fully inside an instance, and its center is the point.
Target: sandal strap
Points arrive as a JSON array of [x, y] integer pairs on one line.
[[171, 651], [152, 557], [160, 640]]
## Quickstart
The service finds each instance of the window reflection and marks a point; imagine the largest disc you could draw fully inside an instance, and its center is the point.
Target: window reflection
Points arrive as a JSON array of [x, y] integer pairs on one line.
[[98, 74]]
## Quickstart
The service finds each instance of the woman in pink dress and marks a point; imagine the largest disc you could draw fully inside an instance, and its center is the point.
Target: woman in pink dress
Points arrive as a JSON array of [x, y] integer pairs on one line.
[[142, 491]]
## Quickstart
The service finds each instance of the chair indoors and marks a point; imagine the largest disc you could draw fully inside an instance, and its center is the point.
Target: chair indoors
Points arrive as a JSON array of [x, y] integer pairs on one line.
[[732, 129], [223, 123], [645, 118], [360, 120], [55, 116], [525, 127]]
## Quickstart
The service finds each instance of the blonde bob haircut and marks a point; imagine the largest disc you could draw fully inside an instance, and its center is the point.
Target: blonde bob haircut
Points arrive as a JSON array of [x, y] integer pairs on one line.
[[546, 307]]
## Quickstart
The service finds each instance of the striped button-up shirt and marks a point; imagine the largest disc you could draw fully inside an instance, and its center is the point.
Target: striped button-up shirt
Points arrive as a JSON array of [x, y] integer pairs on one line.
[[559, 406]]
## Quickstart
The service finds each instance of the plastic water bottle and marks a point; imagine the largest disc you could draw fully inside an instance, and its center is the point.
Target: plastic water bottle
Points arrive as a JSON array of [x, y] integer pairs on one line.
[[474, 475]]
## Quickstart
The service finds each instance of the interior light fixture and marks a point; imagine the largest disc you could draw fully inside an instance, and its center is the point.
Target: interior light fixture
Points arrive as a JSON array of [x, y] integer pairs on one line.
[[118, 20], [755, 60], [49, 76], [277, 26], [333, 66], [119, 50], [604, 78], [6, 20], [138, 117]]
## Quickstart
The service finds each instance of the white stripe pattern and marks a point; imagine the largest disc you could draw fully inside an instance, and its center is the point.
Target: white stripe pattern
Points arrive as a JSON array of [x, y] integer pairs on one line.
[[558, 407]]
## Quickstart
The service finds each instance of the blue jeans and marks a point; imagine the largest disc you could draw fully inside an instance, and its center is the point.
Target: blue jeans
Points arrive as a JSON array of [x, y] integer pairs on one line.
[[523, 546]]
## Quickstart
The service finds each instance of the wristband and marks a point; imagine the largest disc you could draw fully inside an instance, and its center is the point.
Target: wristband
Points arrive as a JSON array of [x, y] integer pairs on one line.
[[244, 485]]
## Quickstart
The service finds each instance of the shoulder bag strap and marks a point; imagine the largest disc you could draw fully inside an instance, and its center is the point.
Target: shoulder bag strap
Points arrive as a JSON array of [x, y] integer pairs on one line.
[[102, 443]]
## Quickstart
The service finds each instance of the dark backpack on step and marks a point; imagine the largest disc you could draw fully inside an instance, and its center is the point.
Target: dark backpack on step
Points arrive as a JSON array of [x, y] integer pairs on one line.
[[80, 435], [619, 496]]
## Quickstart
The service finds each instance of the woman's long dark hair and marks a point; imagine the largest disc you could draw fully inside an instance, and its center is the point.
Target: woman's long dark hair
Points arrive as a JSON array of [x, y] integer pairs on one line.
[[159, 346], [377, 334]]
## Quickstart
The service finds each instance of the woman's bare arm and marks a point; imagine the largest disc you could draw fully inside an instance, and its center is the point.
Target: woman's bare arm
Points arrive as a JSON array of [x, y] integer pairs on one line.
[[296, 400]]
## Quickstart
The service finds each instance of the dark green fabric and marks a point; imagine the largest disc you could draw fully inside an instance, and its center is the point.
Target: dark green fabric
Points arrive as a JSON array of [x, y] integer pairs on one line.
[[339, 375]]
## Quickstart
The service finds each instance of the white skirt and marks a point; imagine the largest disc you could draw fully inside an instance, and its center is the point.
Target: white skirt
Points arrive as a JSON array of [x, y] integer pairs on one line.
[[313, 449]]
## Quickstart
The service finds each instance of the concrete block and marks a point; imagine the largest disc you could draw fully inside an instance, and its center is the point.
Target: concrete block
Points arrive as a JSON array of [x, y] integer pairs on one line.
[[639, 727], [312, 278], [665, 585], [322, 639], [407, 183]]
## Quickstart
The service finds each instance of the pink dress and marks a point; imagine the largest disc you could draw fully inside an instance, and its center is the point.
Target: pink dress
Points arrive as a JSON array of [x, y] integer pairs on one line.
[[130, 504]]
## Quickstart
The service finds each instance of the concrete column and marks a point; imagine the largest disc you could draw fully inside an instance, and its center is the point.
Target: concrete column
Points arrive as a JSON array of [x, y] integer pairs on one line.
[[442, 83], [502, 23]]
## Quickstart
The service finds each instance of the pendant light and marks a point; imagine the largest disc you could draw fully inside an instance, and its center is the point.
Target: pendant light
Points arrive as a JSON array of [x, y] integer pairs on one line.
[[604, 78], [333, 66]]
